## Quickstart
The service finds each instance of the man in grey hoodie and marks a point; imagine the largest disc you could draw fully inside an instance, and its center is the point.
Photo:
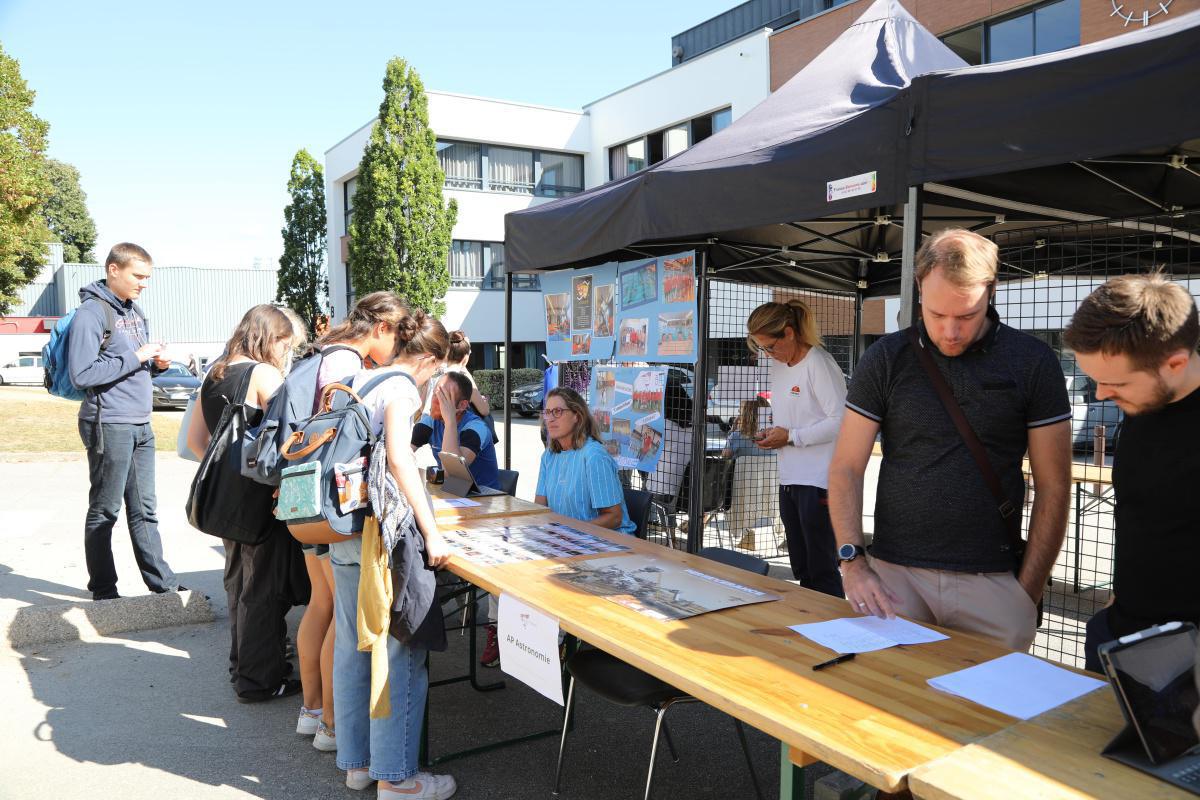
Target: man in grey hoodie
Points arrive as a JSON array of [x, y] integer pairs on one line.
[[115, 367]]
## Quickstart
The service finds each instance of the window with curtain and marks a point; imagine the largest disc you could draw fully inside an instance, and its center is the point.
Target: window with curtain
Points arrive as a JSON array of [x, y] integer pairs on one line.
[[462, 162], [675, 140], [626, 159], [348, 189], [466, 263], [561, 174], [510, 169]]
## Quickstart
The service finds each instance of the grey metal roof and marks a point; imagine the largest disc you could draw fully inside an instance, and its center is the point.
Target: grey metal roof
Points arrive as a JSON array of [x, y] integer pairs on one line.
[[740, 20]]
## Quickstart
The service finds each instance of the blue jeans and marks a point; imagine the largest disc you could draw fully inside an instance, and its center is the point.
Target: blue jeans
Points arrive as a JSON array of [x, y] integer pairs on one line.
[[123, 471], [389, 747]]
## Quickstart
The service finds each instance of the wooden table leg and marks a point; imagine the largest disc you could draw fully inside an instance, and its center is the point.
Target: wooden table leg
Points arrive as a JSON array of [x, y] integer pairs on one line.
[[791, 772]]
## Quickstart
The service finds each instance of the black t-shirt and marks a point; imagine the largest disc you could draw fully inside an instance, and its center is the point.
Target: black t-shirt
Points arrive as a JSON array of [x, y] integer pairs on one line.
[[932, 507], [1156, 559], [214, 395]]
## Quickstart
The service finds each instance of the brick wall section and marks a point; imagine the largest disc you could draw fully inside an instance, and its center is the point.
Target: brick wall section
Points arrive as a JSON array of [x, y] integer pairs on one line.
[[793, 48]]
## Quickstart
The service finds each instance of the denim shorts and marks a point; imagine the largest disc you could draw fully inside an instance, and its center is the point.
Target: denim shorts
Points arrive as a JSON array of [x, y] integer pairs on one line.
[[318, 550]]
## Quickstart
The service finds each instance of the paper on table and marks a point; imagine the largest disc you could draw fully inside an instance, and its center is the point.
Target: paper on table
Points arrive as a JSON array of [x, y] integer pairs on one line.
[[864, 634], [443, 503], [1016, 684]]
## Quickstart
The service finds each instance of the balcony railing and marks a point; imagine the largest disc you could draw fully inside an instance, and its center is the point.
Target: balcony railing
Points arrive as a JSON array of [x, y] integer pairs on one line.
[[521, 283]]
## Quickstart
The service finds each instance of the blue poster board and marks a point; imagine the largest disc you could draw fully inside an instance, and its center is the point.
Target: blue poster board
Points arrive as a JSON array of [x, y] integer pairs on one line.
[[579, 306], [656, 309], [627, 404]]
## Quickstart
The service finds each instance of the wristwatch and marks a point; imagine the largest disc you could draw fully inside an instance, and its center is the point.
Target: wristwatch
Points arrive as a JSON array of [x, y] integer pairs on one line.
[[849, 552]]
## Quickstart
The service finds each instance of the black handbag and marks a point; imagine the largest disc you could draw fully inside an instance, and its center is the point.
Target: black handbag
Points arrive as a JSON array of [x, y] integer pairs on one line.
[[222, 502], [1009, 514]]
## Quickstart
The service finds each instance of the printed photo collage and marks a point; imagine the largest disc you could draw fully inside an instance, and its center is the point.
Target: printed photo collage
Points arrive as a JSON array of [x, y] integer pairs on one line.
[[510, 544], [627, 404]]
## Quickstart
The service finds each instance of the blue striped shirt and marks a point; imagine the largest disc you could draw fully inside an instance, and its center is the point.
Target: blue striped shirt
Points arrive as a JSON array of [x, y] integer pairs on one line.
[[581, 483]]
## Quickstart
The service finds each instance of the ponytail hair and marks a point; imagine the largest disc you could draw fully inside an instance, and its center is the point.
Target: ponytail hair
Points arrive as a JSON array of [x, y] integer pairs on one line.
[[419, 334], [460, 347], [368, 312], [772, 319]]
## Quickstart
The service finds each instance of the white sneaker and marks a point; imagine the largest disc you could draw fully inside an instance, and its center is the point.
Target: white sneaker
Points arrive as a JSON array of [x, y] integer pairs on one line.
[[422, 786], [358, 779], [325, 739], [308, 721]]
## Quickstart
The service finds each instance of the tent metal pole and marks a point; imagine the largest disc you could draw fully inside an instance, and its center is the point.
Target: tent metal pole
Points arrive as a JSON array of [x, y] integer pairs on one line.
[[913, 212], [695, 539], [508, 305], [857, 348]]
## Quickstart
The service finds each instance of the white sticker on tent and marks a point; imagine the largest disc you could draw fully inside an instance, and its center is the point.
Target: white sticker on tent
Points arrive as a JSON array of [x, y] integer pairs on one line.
[[850, 187]]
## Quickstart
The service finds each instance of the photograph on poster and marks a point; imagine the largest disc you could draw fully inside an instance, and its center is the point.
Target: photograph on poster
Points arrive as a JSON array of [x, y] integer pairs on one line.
[[558, 322], [604, 310], [639, 285], [612, 447], [644, 442], [621, 427], [581, 343], [632, 337], [581, 308], [603, 420], [679, 280], [606, 382], [648, 391], [675, 333]]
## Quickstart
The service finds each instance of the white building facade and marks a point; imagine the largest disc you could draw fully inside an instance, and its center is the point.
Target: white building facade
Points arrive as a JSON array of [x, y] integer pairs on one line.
[[501, 156]]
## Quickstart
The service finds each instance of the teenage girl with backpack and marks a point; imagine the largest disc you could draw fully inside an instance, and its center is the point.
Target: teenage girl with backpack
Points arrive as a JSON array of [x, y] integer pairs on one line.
[[262, 581], [367, 332], [385, 749]]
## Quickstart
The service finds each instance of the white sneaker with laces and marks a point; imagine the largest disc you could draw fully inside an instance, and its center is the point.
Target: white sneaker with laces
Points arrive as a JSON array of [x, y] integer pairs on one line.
[[358, 779], [308, 721], [325, 739], [422, 786]]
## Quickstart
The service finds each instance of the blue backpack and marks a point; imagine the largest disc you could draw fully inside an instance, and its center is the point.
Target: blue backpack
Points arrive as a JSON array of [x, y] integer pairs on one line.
[[54, 355], [290, 407]]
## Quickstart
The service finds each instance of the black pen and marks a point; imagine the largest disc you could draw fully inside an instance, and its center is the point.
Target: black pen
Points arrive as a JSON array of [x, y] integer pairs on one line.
[[832, 661]]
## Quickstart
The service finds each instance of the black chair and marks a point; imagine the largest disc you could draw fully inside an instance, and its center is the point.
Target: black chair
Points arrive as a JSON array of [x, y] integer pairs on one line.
[[637, 503], [626, 685], [508, 481], [717, 490]]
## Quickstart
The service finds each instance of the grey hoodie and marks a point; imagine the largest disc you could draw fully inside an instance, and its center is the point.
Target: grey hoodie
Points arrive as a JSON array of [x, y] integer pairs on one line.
[[121, 382]]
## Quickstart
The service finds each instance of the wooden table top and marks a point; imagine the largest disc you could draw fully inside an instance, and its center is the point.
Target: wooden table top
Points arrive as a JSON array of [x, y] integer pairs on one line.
[[873, 717], [492, 505], [1050, 757]]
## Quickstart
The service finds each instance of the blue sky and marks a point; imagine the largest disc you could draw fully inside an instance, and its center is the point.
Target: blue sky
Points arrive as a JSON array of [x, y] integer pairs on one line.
[[183, 118]]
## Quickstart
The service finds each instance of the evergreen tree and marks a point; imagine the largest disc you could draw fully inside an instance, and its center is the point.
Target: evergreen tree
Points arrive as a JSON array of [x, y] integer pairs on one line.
[[303, 284], [24, 185], [400, 229], [66, 213]]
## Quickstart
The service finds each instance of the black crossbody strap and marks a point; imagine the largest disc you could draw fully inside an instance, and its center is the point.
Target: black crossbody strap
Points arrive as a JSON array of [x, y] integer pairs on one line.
[[1008, 512]]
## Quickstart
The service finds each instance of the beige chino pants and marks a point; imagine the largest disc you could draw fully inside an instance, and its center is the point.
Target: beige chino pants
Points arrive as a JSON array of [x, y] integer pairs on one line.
[[991, 604]]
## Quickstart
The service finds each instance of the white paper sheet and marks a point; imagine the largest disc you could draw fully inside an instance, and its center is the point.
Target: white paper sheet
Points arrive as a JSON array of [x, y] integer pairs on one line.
[[865, 634], [529, 647], [443, 503], [1017, 684]]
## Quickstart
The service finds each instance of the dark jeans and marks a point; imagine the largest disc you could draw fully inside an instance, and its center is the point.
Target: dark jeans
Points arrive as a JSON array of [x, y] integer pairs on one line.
[[1098, 632], [123, 471], [812, 548]]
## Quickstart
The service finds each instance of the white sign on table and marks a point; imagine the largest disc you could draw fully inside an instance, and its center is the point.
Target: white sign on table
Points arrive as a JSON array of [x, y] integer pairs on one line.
[[529, 647]]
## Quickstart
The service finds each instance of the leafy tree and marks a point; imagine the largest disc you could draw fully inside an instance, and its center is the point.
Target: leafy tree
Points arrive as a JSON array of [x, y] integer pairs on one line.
[[400, 229], [24, 185], [303, 284], [66, 213]]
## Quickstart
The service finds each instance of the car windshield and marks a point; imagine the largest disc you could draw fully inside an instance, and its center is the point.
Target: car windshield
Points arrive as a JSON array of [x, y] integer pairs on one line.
[[175, 371]]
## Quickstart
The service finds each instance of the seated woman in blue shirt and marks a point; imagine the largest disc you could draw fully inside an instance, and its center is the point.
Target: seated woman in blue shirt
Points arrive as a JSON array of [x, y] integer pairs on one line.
[[578, 478]]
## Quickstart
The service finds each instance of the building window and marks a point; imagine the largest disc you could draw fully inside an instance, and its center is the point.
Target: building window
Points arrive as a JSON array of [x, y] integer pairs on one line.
[[348, 190], [493, 168], [628, 158], [1045, 29], [480, 265]]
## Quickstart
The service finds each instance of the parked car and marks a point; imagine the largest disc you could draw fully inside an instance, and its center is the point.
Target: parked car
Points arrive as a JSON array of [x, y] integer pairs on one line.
[[174, 386], [1087, 412], [25, 369], [527, 399]]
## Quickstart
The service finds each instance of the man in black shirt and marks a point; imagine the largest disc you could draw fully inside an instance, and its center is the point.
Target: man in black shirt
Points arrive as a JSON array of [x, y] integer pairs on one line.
[[942, 552], [1136, 337]]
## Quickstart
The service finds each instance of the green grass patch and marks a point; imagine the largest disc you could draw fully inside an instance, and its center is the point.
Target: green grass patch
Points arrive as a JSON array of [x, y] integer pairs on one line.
[[31, 421]]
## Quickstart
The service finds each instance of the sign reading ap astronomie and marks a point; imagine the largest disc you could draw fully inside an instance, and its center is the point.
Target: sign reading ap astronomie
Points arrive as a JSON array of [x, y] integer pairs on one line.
[[627, 404], [529, 647], [580, 311]]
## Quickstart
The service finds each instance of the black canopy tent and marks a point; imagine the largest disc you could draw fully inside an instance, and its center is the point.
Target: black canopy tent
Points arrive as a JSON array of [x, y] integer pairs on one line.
[[1000, 148]]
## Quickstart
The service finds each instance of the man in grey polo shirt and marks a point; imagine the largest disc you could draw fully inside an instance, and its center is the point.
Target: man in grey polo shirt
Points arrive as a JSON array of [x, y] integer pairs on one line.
[[942, 552]]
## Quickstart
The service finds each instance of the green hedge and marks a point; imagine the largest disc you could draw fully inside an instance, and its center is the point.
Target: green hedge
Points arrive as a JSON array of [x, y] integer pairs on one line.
[[491, 381]]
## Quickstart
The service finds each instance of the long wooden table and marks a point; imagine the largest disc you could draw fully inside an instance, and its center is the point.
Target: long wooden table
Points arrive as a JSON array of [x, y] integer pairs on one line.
[[874, 717], [1051, 757], [491, 505]]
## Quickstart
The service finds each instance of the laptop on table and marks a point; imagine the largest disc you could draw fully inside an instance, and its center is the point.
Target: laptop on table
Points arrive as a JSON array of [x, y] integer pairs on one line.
[[1152, 673], [458, 478]]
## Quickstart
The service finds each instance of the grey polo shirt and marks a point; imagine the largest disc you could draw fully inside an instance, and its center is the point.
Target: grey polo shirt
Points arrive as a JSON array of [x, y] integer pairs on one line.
[[932, 507]]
